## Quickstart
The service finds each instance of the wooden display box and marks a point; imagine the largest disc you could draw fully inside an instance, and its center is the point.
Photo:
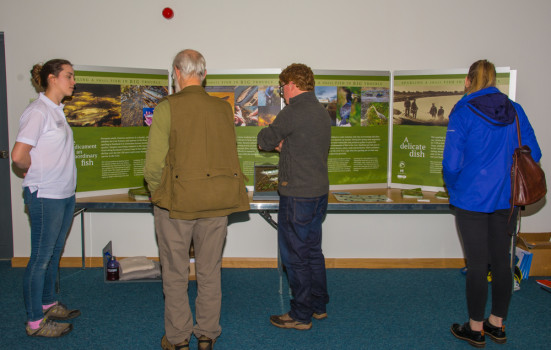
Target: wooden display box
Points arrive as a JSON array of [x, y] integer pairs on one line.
[[539, 244]]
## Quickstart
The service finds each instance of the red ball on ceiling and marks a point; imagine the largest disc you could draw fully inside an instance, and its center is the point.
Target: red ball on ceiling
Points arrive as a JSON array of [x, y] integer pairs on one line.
[[168, 13]]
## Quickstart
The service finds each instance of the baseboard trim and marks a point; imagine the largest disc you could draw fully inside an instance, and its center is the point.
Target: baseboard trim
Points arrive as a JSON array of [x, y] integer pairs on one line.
[[422, 263], [330, 263]]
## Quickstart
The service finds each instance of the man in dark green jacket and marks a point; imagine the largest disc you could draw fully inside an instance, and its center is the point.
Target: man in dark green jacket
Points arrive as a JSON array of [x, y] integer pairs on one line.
[[195, 179]]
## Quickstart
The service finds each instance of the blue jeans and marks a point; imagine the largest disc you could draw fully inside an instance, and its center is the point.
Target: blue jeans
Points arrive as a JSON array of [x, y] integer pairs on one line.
[[299, 238], [50, 222]]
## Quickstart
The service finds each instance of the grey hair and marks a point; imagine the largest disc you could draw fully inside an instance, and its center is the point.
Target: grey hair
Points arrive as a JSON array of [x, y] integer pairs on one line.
[[190, 63]]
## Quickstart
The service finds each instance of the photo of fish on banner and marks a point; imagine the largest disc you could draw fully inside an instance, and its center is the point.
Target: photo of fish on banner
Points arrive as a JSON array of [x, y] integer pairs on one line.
[[266, 182]]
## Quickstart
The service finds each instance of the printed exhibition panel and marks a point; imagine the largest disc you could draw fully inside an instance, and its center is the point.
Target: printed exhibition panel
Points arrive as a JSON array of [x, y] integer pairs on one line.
[[110, 113], [358, 103], [422, 102], [112, 108], [254, 97]]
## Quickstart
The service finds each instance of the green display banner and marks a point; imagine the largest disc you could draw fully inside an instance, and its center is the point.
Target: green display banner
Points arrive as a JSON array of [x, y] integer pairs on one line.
[[112, 108], [256, 102], [110, 113], [421, 109], [358, 103]]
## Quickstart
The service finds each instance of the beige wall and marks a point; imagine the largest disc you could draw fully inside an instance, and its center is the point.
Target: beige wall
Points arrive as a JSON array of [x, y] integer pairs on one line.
[[353, 34]]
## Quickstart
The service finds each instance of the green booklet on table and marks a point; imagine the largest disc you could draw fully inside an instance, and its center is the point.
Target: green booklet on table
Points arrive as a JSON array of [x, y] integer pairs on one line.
[[442, 195], [139, 194], [412, 193]]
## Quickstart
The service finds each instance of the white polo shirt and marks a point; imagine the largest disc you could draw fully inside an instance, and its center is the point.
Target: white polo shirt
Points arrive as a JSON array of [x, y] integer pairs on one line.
[[53, 171]]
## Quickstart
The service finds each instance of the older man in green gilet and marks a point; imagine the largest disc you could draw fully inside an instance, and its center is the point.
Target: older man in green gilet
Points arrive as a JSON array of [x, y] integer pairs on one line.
[[193, 173]]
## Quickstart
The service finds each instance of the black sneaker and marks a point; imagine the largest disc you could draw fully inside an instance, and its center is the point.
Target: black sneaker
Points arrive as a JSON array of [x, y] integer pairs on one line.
[[464, 332], [497, 334]]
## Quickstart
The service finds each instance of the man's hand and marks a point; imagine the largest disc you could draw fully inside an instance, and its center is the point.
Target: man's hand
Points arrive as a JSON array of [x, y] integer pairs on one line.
[[278, 147]]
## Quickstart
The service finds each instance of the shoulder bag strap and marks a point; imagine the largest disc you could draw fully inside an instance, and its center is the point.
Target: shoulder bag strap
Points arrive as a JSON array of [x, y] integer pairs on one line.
[[518, 131]]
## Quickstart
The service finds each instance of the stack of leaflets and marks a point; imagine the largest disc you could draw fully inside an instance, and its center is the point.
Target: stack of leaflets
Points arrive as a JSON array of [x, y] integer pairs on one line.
[[347, 197], [139, 267], [412, 193], [442, 195], [139, 194], [524, 262]]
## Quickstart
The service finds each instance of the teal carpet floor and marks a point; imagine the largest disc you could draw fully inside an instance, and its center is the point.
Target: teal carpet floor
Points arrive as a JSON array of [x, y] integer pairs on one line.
[[369, 309]]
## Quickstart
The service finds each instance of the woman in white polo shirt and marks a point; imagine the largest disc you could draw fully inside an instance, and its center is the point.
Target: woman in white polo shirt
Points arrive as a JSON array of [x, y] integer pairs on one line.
[[44, 150]]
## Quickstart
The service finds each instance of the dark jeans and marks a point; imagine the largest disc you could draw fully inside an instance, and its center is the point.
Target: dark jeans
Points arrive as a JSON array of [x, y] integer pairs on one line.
[[486, 242], [50, 222], [299, 237]]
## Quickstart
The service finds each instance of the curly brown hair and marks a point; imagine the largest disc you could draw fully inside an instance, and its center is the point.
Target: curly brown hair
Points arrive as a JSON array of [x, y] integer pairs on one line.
[[300, 74]]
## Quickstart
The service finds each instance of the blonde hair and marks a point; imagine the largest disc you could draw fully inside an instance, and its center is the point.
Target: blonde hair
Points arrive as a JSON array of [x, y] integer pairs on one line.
[[41, 72], [482, 74]]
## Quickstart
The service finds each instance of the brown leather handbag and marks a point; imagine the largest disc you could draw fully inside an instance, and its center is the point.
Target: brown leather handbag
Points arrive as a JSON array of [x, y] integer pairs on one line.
[[527, 178]]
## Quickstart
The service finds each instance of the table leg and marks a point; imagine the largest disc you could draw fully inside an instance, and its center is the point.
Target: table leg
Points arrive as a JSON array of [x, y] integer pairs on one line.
[[265, 214], [82, 235]]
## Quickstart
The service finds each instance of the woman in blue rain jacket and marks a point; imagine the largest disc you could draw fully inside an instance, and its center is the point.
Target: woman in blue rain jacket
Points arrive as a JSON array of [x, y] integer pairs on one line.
[[478, 154]]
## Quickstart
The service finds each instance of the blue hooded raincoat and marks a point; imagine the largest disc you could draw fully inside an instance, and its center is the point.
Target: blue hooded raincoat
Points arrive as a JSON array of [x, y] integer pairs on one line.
[[478, 154]]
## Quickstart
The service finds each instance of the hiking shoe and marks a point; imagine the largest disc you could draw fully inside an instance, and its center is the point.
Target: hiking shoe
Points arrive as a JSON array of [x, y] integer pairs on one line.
[[49, 329], [166, 345], [285, 321], [497, 334], [464, 332], [205, 343], [59, 312], [319, 316]]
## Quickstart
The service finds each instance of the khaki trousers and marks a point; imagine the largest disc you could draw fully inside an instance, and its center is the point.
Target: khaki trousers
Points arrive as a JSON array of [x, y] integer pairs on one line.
[[174, 239]]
